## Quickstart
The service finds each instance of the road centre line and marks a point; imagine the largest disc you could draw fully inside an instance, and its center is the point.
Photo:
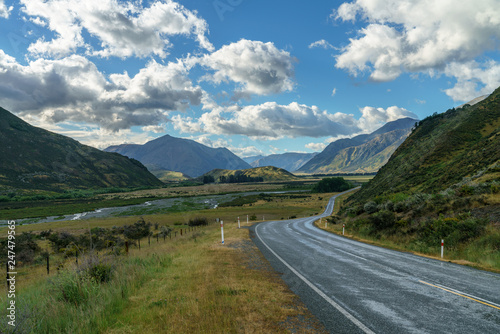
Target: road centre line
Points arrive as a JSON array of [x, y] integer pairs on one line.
[[339, 308], [462, 294]]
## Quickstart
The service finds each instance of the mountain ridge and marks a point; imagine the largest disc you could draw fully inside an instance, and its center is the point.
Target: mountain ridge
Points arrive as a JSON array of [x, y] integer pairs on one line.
[[443, 150], [181, 155], [349, 155], [34, 158]]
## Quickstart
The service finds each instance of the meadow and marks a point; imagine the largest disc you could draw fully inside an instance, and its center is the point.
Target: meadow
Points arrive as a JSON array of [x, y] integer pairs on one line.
[[181, 284]]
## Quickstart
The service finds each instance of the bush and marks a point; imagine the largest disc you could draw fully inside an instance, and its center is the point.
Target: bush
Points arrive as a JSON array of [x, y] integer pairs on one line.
[[382, 220], [332, 184], [198, 221], [370, 207]]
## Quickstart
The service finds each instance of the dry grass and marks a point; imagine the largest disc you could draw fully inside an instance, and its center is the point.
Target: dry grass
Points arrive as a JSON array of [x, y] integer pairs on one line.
[[201, 287], [206, 189]]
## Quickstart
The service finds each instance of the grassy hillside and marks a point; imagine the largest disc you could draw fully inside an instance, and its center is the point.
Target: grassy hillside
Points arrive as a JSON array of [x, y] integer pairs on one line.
[[442, 150], [36, 159], [442, 183], [267, 173]]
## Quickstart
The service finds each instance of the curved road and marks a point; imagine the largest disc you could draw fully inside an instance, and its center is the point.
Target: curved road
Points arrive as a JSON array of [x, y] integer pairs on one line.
[[358, 288]]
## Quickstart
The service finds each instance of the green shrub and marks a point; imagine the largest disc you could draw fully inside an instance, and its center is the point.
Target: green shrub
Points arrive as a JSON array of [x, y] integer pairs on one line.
[[332, 184], [370, 207], [198, 221], [382, 220]]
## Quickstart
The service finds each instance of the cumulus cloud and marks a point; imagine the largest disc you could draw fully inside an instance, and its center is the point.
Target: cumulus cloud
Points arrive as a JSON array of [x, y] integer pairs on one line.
[[258, 68], [4, 11], [321, 44], [124, 29], [269, 120], [73, 89], [317, 147], [372, 118], [417, 36], [473, 79]]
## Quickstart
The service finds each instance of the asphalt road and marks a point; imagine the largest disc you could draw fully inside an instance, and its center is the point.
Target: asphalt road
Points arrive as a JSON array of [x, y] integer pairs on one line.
[[358, 288]]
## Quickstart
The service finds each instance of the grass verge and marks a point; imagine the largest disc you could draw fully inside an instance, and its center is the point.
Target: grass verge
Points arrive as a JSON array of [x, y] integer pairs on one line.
[[189, 284]]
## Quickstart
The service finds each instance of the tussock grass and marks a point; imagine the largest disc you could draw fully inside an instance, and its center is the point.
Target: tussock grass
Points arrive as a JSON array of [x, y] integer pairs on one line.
[[188, 284]]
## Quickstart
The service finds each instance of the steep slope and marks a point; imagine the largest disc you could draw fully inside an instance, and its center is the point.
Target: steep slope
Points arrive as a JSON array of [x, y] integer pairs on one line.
[[363, 153], [253, 158], [288, 161], [33, 158], [181, 155], [442, 150], [268, 173]]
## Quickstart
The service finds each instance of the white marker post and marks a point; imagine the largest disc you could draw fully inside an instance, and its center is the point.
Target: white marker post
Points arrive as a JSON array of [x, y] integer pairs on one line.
[[222, 230], [442, 248], [247, 219], [343, 229], [239, 226], [326, 223]]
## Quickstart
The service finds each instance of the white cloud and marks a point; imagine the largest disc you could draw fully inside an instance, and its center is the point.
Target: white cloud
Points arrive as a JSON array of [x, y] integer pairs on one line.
[[92, 135], [317, 147], [417, 35], [246, 151], [73, 89], [124, 29], [269, 120], [4, 11], [373, 118], [473, 79], [321, 44], [334, 91], [154, 128], [259, 68]]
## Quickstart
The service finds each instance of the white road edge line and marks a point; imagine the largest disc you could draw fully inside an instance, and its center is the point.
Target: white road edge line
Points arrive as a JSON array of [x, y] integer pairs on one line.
[[339, 308]]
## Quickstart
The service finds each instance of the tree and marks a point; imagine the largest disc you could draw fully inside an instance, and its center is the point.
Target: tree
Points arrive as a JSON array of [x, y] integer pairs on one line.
[[332, 184], [137, 231]]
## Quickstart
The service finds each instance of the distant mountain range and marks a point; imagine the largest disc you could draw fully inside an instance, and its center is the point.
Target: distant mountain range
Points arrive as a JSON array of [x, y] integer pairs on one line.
[[33, 158], [365, 153], [289, 161], [442, 151], [181, 155]]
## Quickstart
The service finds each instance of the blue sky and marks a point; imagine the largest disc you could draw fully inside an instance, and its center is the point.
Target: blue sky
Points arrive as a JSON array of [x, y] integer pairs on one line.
[[257, 77]]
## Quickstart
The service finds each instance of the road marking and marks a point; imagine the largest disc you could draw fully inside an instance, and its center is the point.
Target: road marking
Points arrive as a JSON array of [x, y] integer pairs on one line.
[[339, 308], [462, 294]]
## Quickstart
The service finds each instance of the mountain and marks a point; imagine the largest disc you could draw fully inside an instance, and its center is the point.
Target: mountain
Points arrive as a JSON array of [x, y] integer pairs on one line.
[[181, 155], [33, 158], [268, 173], [166, 175], [365, 153], [251, 159], [289, 161], [443, 150]]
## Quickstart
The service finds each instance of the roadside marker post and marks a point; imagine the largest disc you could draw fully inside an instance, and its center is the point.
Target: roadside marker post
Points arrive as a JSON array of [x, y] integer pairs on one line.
[[247, 219], [239, 226], [343, 229], [442, 248], [222, 230]]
